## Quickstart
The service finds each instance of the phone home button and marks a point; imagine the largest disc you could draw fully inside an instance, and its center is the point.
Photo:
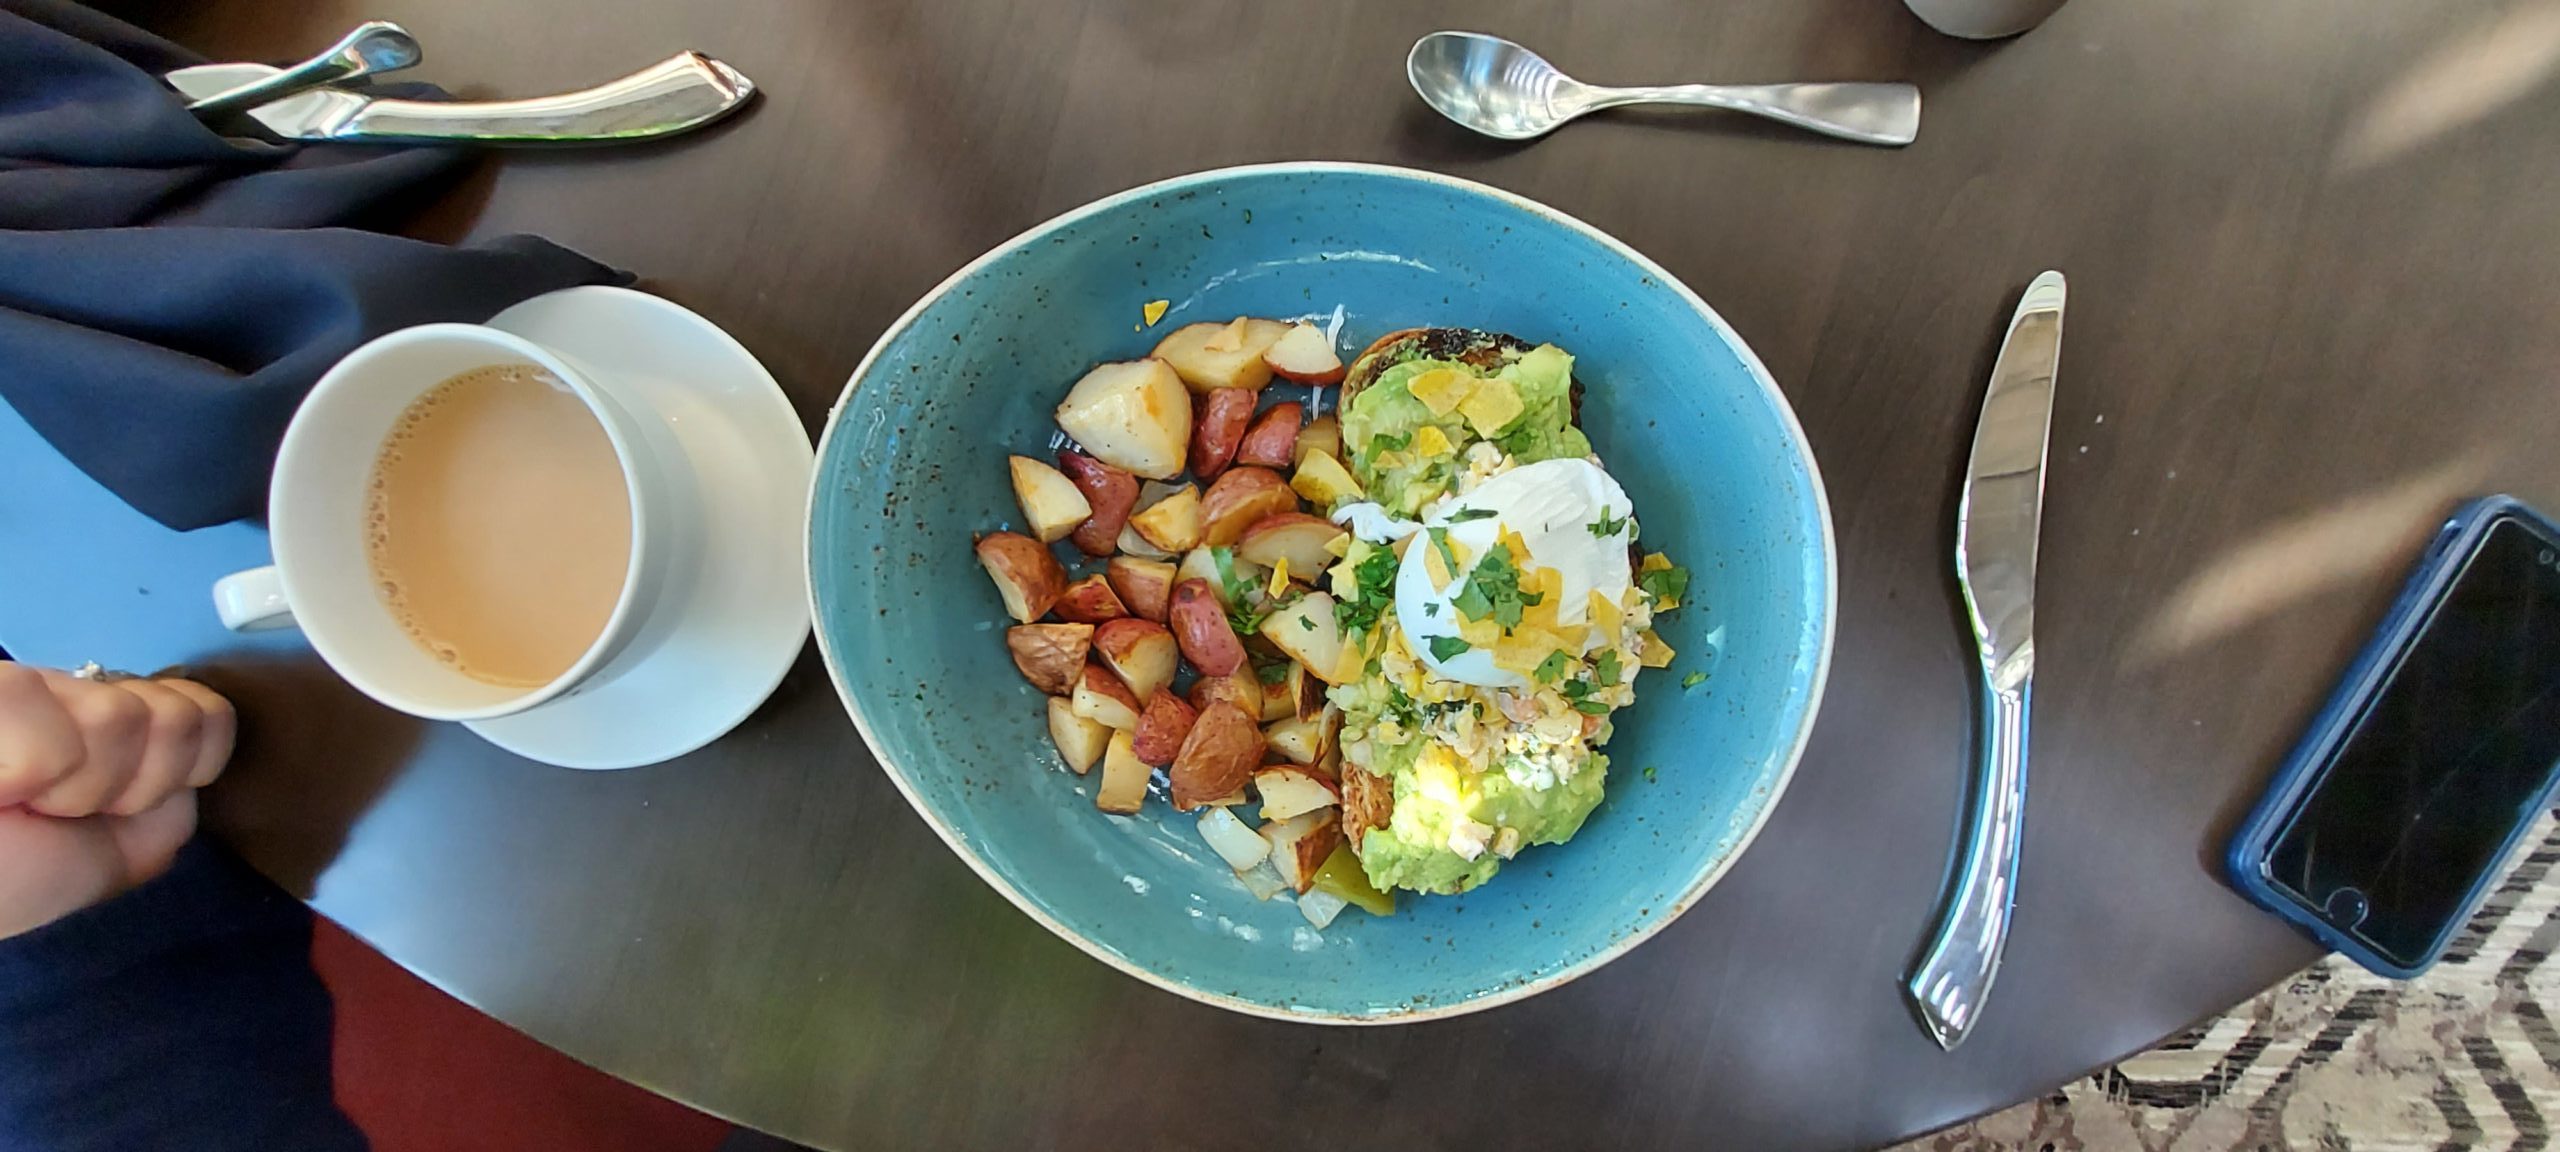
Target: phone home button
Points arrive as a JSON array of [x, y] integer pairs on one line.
[[2346, 907]]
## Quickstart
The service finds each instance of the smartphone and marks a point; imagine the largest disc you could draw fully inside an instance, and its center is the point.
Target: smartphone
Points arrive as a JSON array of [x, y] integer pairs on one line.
[[2394, 817]]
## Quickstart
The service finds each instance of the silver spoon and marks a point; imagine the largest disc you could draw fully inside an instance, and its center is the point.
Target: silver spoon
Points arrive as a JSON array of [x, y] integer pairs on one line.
[[1508, 92], [374, 47]]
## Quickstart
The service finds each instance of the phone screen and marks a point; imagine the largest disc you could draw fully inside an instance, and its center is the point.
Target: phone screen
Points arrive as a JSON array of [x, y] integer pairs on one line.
[[2445, 762]]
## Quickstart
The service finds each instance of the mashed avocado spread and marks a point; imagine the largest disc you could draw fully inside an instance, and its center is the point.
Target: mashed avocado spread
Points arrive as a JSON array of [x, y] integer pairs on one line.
[[1404, 468]]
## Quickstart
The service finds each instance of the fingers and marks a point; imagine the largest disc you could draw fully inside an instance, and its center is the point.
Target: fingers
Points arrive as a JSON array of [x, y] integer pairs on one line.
[[115, 731], [51, 868], [172, 735], [220, 727], [72, 748], [148, 841], [38, 743]]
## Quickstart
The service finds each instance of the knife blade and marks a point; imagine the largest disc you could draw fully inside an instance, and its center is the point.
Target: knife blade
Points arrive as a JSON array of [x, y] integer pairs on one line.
[[678, 94], [1997, 525]]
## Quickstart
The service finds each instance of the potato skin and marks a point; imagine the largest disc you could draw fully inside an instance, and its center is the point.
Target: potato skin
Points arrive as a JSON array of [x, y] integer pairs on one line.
[[1273, 442], [1218, 429], [1113, 494], [1163, 727], [1219, 755], [1050, 656], [1200, 626]]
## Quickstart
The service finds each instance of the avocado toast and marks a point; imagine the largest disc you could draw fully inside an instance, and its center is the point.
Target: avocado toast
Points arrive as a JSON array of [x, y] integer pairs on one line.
[[1493, 589]]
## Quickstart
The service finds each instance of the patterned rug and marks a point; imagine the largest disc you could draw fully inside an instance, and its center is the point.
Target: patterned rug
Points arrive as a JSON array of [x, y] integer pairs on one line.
[[2337, 1059]]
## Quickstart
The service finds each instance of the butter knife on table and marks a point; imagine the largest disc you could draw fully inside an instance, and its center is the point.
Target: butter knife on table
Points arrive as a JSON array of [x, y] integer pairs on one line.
[[1996, 527], [678, 94]]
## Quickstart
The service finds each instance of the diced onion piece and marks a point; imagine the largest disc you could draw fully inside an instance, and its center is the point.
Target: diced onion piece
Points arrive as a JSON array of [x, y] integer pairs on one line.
[[1321, 907], [1241, 847], [1263, 881]]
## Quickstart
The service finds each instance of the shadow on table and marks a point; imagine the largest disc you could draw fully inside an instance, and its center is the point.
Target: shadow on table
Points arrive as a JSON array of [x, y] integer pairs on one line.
[[313, 755]]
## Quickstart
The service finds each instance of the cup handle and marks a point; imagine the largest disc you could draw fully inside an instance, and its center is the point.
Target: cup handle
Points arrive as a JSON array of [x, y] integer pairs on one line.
[[252, 601]]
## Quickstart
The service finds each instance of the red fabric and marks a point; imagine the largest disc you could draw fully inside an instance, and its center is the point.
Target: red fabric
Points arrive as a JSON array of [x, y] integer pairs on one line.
[[419, 1071]]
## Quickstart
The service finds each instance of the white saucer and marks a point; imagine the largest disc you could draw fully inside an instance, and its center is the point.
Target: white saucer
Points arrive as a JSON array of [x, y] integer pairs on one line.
[[742, 622]]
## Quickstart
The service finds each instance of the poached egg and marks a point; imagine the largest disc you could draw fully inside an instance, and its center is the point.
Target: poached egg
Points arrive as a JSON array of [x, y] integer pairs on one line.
[[1552, 507]]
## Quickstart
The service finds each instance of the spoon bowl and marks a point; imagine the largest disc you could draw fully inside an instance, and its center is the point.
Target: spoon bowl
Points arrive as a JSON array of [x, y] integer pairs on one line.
[[1504, 90], [1490, 84]]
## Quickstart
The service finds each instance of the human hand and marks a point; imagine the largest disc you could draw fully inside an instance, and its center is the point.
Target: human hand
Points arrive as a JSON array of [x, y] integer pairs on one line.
[[97, 785]]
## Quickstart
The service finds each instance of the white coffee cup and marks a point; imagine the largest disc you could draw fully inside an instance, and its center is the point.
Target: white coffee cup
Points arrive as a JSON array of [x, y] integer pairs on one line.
[[1983, 19], [322, 582]]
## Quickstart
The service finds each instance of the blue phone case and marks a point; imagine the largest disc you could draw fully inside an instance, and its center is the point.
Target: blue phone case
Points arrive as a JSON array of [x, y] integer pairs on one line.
[[2401, 627]]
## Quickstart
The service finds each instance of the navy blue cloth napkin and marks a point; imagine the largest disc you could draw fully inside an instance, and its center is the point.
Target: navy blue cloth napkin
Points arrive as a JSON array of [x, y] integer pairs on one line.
[[167, 295]]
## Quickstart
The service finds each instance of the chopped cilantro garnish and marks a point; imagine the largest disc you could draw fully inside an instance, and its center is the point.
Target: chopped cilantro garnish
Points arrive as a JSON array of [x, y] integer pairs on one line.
[[1493, 590], [1464, 515], [1552, 667], [1236, 587], [1575, 689], [1375, 578], [1400, 708], [1648, 773], [1430, 608], [1665, 585], [1241, 594], [1693, 679], [1306, 624], [1473, 602], [1605, 527], [1591, 707], [1604, 671], [1271, 673], [1446, 648], [1521, 440]]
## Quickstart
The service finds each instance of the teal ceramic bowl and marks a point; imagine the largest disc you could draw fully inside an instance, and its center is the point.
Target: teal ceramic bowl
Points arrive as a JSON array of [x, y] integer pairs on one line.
[[1686, 418]]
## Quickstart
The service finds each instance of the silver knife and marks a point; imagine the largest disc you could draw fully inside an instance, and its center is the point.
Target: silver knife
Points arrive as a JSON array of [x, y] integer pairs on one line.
[[1996, 527], [678, 94]]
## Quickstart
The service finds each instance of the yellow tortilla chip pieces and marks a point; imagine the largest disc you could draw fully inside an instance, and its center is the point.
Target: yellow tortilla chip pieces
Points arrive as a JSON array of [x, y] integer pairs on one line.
[[1493, 405], [1442, 389], [1607, 617]]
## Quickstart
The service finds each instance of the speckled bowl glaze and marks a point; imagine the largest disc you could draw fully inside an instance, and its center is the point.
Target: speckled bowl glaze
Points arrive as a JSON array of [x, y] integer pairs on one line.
[[1682, 412]]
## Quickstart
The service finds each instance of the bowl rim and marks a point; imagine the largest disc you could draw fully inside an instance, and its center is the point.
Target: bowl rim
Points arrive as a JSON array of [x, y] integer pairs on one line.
[[1645, 929]]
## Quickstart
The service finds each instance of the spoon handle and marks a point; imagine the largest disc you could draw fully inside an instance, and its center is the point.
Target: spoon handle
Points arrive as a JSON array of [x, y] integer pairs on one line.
[[1887, 114], [374, 47], [682, 92]]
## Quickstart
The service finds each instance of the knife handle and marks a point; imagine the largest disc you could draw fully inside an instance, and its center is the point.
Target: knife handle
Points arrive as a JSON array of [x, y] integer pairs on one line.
[[684, 91], [1954, 976]]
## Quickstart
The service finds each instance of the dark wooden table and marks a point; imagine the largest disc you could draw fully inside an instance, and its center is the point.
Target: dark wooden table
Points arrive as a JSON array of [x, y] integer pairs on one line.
[[2315, 278]]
